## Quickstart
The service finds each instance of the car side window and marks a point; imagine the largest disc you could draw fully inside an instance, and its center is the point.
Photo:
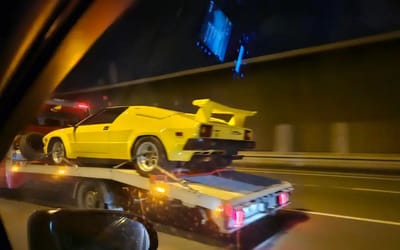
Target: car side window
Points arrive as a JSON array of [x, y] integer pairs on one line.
[[107, 115]]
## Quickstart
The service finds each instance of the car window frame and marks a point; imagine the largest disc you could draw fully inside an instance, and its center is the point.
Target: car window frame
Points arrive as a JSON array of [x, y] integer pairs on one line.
[[104, 116]]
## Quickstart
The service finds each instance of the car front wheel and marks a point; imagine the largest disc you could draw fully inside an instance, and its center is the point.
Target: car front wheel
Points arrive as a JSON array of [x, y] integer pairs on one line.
[[56, 151]]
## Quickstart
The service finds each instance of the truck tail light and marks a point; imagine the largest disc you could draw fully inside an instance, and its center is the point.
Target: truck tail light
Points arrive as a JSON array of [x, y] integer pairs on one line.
[[247, 134], [205, 130], [82, 105], [234, 217], [283, 198], [238, 217]]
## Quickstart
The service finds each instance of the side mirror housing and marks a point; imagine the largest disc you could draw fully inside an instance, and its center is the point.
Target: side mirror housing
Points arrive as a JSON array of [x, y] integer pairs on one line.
[[89, 229]]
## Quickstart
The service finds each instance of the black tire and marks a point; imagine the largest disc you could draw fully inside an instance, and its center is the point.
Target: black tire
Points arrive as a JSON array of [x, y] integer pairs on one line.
[[90, 195], [222, 161], [56, 151], [31, 146], [199, 165], [147, 153]]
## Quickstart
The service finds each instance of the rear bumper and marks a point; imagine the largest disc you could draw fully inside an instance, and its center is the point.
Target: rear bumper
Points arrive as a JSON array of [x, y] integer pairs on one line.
[[215, 144]]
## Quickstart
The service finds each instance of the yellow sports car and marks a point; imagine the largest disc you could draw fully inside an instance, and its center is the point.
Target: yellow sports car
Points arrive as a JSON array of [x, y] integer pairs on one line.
[[149, 136]]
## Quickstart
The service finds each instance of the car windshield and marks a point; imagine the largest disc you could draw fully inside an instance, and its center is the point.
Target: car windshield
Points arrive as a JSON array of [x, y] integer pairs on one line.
[[233, 124]]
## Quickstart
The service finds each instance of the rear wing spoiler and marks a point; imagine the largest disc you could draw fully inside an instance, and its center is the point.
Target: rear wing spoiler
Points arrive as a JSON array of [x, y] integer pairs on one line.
[[208, 107]]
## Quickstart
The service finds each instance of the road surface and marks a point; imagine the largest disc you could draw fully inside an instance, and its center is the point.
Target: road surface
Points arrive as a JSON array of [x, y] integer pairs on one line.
[[344, 210], [329, 211]]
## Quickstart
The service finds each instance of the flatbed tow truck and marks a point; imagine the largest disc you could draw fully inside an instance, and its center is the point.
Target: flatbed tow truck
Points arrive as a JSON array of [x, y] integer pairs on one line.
[[224, 199]]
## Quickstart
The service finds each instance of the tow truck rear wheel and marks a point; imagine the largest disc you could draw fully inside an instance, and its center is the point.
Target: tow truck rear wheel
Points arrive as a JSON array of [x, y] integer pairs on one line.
[[90, 195], [56, 150], [148, 152]]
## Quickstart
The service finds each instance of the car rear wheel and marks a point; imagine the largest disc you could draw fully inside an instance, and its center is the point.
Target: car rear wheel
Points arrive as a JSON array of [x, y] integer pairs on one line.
[[56, 151], [208, 163], [222, 161], [148, 153]]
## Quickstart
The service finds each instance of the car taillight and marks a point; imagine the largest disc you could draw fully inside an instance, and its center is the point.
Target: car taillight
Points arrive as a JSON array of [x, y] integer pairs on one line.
[[283, 198], [247, 135], [234, 217], [205, 130]]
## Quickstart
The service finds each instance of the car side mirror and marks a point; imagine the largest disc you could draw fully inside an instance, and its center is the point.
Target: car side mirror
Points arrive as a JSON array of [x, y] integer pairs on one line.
[[89, 229]]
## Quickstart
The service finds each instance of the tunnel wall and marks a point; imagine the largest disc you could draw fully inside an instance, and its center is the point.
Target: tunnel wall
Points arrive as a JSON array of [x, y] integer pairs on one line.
[[344, 101]]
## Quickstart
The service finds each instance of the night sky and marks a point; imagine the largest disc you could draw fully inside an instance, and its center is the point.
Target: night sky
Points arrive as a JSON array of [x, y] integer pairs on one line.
[[158, 37]]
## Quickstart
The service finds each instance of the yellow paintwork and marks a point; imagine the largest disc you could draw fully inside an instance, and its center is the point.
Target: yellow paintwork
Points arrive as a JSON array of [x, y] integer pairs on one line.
[[92, 141], [208, 107]]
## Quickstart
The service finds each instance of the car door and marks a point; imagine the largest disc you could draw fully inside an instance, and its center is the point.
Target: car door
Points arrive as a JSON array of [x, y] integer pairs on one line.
[[119, 133], [91, 135]]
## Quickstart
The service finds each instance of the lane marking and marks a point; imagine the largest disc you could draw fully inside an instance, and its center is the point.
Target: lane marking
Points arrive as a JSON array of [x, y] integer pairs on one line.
[[376, 190], [269, 171], [386, 222], [350, 188], [317, 173], [307, 185]]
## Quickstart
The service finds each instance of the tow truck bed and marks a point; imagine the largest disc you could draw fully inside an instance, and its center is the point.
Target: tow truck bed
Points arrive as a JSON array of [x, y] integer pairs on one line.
[[248, 196]]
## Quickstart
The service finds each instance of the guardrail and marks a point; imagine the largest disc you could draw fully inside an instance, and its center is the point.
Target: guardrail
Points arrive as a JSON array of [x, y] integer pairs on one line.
[[331, 160]]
